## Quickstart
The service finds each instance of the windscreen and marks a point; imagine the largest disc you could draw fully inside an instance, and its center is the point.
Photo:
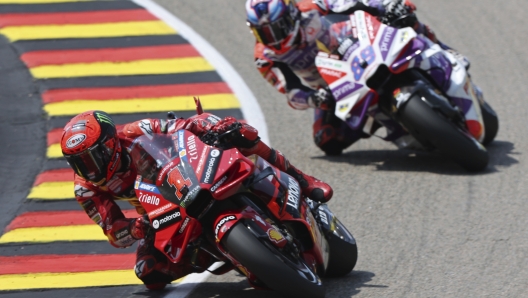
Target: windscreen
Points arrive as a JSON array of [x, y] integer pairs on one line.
[[150, 154], [161, 161], [341, 34]]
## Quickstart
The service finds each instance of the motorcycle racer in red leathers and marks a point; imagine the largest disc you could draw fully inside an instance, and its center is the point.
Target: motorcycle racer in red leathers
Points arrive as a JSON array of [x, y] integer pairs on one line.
[[104, 173], [286, 32]]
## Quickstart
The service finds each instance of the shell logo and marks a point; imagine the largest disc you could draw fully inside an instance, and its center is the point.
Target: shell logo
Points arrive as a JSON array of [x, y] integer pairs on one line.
[[275, 236]]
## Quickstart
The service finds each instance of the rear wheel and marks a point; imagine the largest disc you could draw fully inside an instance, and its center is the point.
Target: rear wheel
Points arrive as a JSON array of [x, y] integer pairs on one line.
[[426, 124], [287, 274]]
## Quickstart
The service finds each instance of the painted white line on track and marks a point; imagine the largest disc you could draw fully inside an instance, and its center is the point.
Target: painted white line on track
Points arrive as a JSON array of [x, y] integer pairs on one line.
[[185, 287], [250, 107]]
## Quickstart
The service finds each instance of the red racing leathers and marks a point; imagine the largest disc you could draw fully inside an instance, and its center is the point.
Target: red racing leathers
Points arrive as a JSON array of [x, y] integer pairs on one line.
[[99, 202], [294, 73]]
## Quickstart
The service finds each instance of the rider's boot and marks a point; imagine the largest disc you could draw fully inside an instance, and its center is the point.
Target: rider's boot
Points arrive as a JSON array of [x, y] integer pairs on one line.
[[311, 187], [422, 28]]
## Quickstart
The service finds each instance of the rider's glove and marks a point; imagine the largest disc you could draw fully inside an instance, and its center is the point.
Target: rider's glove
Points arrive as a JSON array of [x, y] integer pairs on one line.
[[139, 227], [321, 99], [224, 125], [198, 126], [244, 135], [395, 9]]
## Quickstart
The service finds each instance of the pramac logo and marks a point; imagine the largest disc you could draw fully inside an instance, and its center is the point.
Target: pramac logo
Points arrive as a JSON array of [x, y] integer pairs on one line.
[[75, 140], [176, 180]]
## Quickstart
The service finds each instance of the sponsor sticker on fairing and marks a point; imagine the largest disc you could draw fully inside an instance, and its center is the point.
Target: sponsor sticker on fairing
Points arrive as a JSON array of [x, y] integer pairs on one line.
[[191, 148], [218, 184], [275, 236], [211, 166], [386, 41], [161, 210], [345, 90], [167, 219], [361, 26], [294, 193], [163, 171], [149, 198], [184, 225], [222, 222], [323, 217], [148, 187]]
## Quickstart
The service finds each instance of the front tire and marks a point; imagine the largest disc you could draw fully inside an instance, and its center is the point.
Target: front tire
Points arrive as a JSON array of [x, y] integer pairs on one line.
[[280, 273], [426, 124], [343, 251], [491, 122]]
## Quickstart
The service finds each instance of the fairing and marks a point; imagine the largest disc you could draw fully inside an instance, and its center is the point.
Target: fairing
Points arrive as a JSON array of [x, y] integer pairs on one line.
[[172, 171], [362, 44]]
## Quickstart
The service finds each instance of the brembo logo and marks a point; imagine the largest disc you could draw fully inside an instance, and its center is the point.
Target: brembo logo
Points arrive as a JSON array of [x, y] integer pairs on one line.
[[160, 223], [75, 140], [149, 199], [222, 222]]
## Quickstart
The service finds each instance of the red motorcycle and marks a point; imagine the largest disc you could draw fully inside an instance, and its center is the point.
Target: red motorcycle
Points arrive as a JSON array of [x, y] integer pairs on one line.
[[203, 196]]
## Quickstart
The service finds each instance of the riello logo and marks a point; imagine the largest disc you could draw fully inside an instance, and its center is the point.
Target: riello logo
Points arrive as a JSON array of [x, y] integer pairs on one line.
[[149, 199]]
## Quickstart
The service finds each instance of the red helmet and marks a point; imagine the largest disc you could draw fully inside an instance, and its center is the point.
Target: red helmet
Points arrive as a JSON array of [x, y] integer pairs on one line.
[[91, 146]]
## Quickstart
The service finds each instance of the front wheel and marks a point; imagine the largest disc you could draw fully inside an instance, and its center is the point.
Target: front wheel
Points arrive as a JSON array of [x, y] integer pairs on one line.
[[426, 124], [491, 122], [287, 274], [343, 251]]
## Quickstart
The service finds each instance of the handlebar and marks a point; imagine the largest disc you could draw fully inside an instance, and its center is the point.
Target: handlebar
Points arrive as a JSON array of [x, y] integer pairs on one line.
[[223, 140]]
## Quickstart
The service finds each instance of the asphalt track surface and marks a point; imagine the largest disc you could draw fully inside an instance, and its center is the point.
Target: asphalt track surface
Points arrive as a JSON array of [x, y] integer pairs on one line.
[[425, 228]]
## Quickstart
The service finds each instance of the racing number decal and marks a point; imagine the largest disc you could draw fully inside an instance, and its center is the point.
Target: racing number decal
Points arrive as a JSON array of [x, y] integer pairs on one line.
[[182, 184], [368, 56]]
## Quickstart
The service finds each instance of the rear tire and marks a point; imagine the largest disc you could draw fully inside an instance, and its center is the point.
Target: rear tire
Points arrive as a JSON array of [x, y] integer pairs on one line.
[[280, 273], [426, 124]]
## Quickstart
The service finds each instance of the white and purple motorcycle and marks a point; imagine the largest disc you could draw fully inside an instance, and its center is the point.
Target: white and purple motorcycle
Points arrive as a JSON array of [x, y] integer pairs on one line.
[[383, 76]]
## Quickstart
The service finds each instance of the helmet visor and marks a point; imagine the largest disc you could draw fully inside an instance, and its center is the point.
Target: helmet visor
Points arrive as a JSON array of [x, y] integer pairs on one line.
[[92, 163], [272, 34]]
